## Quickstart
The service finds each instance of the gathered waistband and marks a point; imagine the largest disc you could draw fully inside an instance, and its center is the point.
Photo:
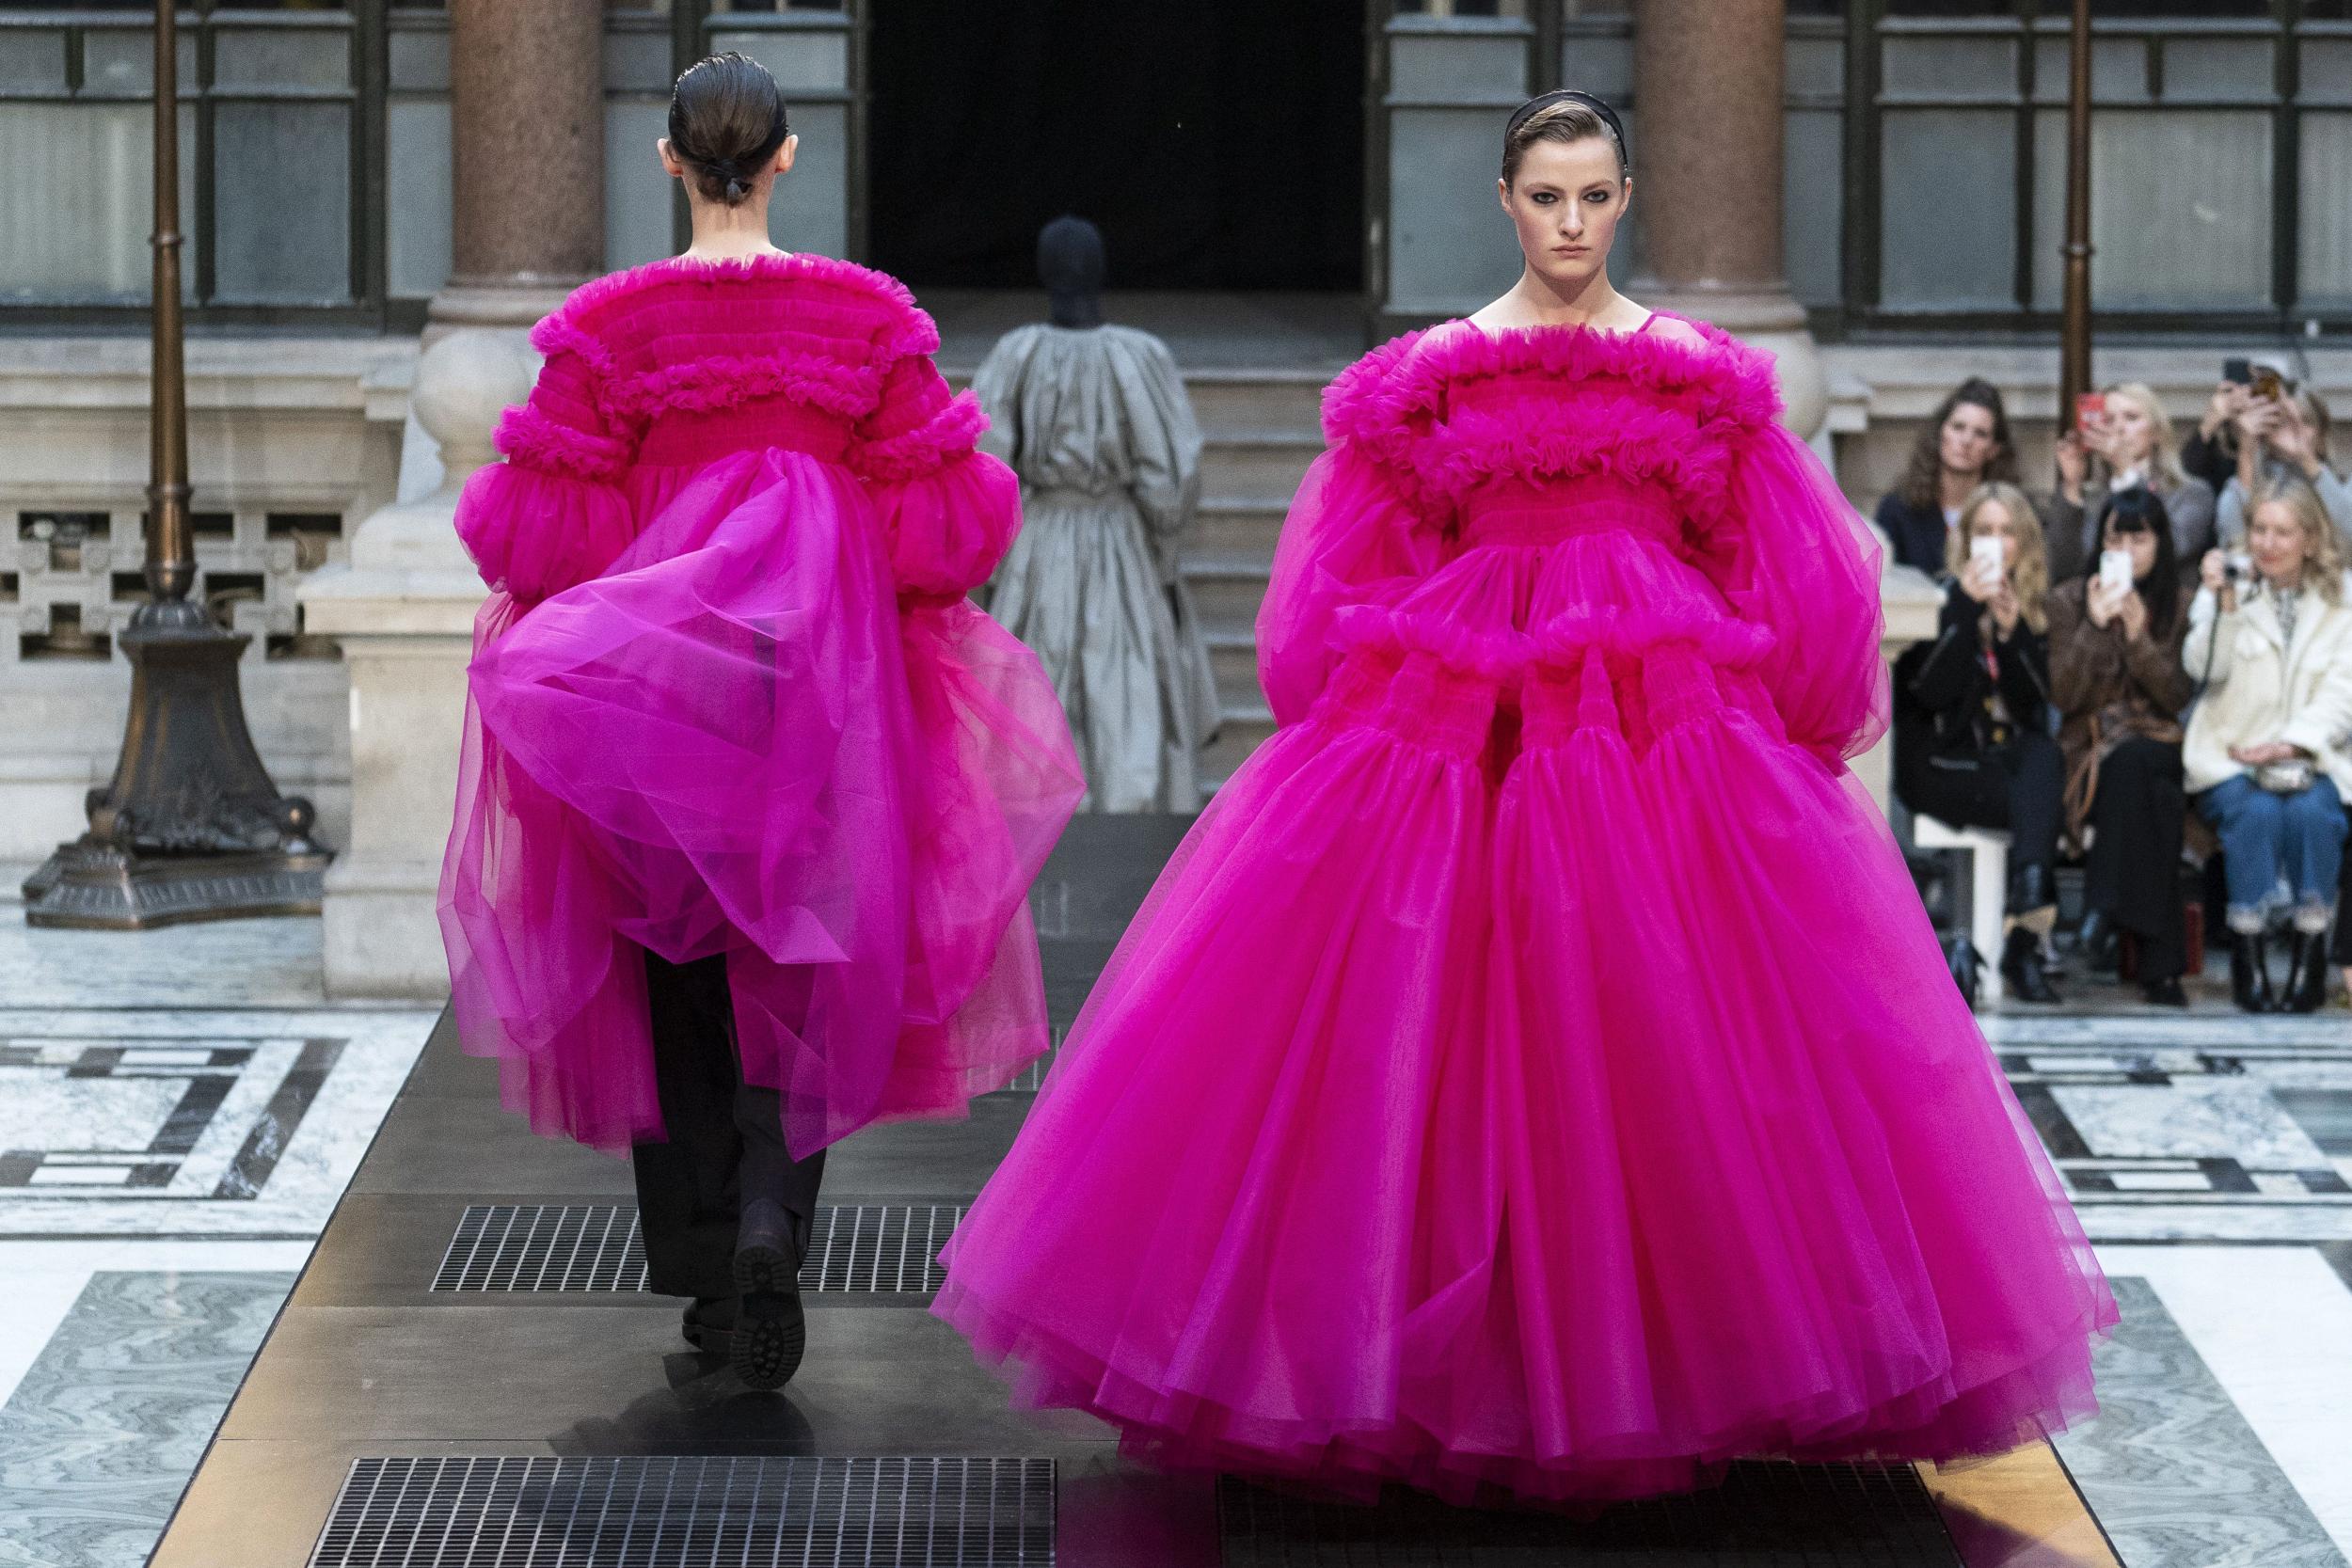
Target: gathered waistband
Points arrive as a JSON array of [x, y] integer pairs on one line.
[[1541, 515]]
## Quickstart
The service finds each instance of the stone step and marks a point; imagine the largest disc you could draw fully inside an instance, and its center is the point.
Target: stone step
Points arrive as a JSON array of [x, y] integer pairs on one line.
[[1236, 400], [1236, 526], [1245, 729], [1267, 463], [1234, 661], [1227, 590]]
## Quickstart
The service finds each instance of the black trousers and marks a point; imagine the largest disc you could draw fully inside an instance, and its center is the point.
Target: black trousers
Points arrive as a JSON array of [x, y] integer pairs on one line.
[[2342, 951], [2019, 787], [2134, 871], [726, 1138]]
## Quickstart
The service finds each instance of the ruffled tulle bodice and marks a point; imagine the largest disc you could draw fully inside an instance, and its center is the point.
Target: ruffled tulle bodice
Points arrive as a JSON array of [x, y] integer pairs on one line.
[[729, 699]]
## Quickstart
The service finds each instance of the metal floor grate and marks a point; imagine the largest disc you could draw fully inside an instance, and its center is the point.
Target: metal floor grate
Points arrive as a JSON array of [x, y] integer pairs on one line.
[[483, 1511], [1766, 1515], [860, 1250]]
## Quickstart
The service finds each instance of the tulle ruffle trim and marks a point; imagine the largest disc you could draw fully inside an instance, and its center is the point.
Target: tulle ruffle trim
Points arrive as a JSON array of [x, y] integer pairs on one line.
[[949, 434], [530, 436], [1508, 658], [1689, 407]]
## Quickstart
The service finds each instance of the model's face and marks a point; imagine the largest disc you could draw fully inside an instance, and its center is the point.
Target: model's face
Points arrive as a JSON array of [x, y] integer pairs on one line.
[[2140, 543], [1993, 521], [1966, 444], [2275, 540], [1565, 204], [2134, 432]]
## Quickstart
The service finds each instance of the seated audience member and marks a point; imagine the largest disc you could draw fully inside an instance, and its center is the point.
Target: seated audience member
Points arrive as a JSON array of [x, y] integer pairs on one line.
[[1964, 446], [1973, 744], [2270, 651], [2283, 441], [2116, 676], [2129, 445]]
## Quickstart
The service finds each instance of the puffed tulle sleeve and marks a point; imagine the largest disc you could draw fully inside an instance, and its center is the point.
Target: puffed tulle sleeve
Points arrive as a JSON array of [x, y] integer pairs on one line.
[[948, 510], [1351, 538], [1791, 554], [554, 515]]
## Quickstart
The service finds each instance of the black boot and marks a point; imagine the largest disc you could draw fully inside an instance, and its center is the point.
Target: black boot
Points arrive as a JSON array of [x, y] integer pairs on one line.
[[2098, 943], [2166, 992], [2020, 968], [2249, 972], [770, 1332], [709, 1325], [2307, 976]]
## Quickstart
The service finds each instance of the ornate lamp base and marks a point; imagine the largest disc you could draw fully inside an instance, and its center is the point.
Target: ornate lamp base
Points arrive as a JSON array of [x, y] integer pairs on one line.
[[94, 885], [191, 828]]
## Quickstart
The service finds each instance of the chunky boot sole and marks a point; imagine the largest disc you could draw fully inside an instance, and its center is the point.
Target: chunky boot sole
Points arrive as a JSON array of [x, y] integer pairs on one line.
[[771, 1331]]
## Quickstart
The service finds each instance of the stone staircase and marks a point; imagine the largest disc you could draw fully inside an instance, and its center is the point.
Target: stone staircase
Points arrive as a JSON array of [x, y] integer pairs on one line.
[[1260, 429]]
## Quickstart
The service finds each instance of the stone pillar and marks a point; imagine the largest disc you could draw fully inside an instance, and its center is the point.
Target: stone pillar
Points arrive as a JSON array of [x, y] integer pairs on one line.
[[527, 158], [1707, 90], [402, 610]]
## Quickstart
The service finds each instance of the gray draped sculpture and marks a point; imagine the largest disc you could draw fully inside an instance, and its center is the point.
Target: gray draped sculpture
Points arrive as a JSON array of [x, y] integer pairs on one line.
[[1095, 421]]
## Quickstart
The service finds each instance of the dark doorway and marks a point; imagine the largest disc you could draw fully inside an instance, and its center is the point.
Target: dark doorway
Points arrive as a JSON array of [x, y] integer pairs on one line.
[[1218, 143]]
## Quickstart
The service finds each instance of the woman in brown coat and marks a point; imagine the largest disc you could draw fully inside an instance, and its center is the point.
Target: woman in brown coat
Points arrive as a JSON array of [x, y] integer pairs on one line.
[[2116, 677]]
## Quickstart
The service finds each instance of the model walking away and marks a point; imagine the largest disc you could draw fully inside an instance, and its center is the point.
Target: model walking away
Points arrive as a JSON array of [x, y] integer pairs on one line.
[[1535, 1076], [751, 795]]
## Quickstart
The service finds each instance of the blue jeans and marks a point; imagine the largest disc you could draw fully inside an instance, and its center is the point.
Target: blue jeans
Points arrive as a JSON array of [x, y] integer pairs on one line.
[[2266, 838]]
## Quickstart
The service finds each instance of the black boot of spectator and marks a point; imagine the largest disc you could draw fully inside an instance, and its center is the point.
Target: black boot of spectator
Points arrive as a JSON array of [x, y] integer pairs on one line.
[[2098, 943], [2020, 968], [2307, 977], [2249, 972]]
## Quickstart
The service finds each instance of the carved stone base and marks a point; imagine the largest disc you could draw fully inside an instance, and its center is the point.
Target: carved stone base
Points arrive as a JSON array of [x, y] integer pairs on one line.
[[94, 885]]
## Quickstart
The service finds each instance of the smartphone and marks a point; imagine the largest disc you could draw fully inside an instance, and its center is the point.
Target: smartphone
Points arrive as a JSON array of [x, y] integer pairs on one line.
[[1984, 558], [2238, 372], [2089, 407], [2267, 383], [2115, 570]]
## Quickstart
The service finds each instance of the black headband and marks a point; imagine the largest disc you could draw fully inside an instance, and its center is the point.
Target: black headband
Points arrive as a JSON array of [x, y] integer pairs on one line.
[[1568, 95]]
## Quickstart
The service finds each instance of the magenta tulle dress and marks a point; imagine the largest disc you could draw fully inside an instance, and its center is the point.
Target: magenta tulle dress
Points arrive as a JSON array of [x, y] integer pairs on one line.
[[1534, 1078], [728, 698]]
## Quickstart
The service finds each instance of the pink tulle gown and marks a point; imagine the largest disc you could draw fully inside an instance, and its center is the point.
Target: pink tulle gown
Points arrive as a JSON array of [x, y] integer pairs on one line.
[[1536, 1077], [729, 698]]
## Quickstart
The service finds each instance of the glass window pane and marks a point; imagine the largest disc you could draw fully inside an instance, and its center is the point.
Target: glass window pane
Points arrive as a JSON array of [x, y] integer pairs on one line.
[[1948, 67], [2327, 71], [1947, 235], [416, 197], [2180, 210], [2233, 69], [281, 58], [77, 204], [638, 200], [2195, 9], [2119, 70], [2327, 219], [1813, 228], [31, 61], [419, 61], [281, 179]]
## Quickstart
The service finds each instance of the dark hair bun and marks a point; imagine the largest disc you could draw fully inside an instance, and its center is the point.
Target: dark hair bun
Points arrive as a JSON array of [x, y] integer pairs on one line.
[[727, 120]]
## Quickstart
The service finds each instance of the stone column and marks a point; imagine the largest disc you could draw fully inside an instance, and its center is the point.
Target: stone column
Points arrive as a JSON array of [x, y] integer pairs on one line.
[[527, 154], [1707, 93], [403, 612]]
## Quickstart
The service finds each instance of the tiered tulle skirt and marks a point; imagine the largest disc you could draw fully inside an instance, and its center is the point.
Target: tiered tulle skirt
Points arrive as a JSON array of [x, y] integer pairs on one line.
[[735, 740], [1534, 1077]]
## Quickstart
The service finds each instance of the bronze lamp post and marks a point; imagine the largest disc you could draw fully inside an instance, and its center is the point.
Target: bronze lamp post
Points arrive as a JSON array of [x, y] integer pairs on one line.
[[191, 828], [2075, 336]]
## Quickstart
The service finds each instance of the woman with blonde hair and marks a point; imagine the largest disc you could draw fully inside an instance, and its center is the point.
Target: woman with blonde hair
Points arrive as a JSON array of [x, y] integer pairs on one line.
[[2131, 444], [1972, 737], [2265, 752]]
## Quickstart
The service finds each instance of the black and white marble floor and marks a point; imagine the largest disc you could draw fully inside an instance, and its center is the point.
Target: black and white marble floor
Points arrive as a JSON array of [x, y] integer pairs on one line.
[[179, 1112]]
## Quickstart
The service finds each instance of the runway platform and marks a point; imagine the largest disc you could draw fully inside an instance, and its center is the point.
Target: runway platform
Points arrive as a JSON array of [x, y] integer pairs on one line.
[[469, 1375]]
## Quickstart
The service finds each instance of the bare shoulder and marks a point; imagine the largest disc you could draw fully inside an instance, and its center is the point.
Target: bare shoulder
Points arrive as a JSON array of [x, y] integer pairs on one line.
[[1676, 330]]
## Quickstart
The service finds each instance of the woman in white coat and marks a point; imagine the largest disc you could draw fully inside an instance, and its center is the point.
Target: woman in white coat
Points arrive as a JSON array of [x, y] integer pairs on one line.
[[2265, 749]]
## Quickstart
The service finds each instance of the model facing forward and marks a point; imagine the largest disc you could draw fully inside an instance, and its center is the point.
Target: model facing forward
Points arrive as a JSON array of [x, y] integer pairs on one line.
[[1535, 1075], [751, 794]]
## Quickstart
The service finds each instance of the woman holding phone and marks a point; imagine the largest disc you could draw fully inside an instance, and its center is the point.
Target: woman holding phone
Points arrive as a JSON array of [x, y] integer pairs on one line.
[[2123, 439], [1972, 739], [2283, 439], [2116, 676]]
